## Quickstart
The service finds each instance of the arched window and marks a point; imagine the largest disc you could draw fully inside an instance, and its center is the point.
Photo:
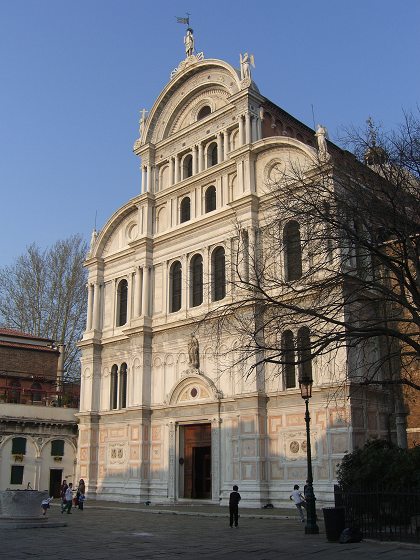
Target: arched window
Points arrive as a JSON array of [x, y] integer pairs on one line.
[[122, 303], [114, 387], [204, 111], [213, 155], [176, 286], [293, 251], [36, 392], [211, 199], [14, 395], [187, 167], [123, 385], [304, 352], [197, 281], [219, 274], [185, 209], [288, 359]]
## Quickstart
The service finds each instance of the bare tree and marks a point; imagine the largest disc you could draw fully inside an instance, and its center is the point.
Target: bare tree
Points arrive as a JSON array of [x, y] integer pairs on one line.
[[44, 293], [337, 255]]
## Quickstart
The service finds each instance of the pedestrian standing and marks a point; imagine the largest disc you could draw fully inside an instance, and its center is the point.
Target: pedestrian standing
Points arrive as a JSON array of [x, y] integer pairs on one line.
[[299, 500], [63, 494], [81, 500], [80, 490], [69, 498], [234, 500]]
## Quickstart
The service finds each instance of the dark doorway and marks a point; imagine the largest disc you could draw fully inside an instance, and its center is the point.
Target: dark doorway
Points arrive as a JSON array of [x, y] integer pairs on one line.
[[197, 469], [55, 482]]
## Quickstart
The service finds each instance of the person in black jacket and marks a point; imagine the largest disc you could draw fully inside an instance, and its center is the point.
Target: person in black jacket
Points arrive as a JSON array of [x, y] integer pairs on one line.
[[234, 500]]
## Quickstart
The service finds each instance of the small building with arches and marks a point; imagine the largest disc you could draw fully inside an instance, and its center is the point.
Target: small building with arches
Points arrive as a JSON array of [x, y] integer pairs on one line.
[[153, 426]]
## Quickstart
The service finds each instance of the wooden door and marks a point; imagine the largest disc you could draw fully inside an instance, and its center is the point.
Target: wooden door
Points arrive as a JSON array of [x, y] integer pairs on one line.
[[197, 466]]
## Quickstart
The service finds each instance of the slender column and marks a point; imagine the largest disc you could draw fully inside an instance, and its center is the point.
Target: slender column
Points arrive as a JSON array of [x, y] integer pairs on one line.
[[165, 287], [171, 171], [259, 134], [219, 148], [96, 302], [247, 128], [129, 296], [89, 307], [241, 130], [145, 302], [143, 178], [149, 178], [194, 160], [225, 144], [252, 255], [254, 129], [137, 292], [200, 157], [177, 169]]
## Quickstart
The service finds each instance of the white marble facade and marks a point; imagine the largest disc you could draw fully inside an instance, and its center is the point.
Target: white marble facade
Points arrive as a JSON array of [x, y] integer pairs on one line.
[[214, 139]]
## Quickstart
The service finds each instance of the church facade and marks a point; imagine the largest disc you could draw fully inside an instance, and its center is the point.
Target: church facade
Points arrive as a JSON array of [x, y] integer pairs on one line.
[[163, 417]]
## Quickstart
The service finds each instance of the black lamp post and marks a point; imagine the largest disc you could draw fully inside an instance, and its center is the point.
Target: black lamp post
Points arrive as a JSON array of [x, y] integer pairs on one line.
[[311, 528]]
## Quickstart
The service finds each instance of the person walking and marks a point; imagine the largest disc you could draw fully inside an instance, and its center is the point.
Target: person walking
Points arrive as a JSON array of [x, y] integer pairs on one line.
[[69, 498], [299, 500], [63, 489], [234, 500]]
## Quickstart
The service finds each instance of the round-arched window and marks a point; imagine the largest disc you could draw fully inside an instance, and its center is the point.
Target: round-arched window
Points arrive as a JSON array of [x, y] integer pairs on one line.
[[204, 111]]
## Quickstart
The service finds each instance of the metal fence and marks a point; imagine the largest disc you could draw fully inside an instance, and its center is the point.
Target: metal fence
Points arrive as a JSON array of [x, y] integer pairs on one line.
[[382, 513]]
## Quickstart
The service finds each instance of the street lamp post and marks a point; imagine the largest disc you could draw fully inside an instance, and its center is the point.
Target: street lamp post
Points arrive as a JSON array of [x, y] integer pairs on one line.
[[311, 528]]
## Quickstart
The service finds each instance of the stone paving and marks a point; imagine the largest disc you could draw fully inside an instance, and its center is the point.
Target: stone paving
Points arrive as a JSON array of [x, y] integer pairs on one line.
[[105, 531]]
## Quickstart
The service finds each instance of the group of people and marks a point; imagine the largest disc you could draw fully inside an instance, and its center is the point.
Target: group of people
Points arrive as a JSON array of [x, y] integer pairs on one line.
[[66, 492]]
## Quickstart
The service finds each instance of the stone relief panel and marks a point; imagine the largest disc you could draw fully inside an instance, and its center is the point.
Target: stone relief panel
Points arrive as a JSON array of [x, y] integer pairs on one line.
[[116, 454], [295, 447]]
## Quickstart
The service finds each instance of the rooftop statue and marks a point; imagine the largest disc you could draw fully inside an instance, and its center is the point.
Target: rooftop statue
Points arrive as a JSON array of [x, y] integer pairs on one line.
[[189, 42], [142, 122], [321, 136], [246, 62]]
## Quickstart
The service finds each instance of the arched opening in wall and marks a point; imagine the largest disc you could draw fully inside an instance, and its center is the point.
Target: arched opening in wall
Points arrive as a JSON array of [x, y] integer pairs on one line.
[[304, 352], [310, 143], [211, 199], [288, 351], [196, 275], [299, 137], [293, 251], [122, 303], [218, 273], [187, 167], [114, 387], [212, 155], [123, 385], [175, 286], [289, 132], [14, 395], [36, 392], [185, 209], [278, 128], [203, 112], [266, 130]]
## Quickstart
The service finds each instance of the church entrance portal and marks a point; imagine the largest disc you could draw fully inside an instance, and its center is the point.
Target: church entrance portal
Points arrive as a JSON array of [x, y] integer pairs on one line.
[[197, 468]]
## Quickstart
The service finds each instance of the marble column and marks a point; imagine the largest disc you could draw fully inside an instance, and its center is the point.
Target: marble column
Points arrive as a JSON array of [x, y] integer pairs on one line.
[[171, 171], [220, 157], [145, 302], [177, 169], [194, 160], [241, 131], [171, 461], [254, 136], [225, 144], [143, 178], [247, 128], [89, 308], [149, 178], [215, 459], [96, 304], [200, 157], [259, 133], [252, 250], [137, 292]]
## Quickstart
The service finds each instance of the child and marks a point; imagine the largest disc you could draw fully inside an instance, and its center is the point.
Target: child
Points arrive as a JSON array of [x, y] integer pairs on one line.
[[299, 501], [69, 498], [234, 500], [81, 500], [45, 505]]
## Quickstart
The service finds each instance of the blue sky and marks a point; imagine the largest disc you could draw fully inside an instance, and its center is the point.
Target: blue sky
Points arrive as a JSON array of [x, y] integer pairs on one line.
[[75, 74]]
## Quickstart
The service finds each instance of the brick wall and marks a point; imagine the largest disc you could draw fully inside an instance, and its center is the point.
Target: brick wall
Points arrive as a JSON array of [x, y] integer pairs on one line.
[[29, 360]]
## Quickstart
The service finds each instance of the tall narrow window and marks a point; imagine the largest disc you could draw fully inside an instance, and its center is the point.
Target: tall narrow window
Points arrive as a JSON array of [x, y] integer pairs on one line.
[[304, 352], [57, 447], [293, 251], [14, 395], [219, 274], [36, 392], [185, 209], [211, 199], [114, 387], [122, 302], [16, 476], [214, 155], [123, 385], [187, 167], [197, 280], [176, 286], [288, 359]]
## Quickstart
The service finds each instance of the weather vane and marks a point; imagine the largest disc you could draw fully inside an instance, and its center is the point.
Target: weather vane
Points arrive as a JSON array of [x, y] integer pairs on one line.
[[371, 132], [184, 19]]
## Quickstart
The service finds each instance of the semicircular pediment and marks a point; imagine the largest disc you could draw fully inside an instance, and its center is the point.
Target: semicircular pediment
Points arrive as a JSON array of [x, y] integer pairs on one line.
[[192, 388]]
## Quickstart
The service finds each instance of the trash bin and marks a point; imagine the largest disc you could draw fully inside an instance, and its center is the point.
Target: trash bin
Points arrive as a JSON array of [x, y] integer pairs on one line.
[[335, 522]]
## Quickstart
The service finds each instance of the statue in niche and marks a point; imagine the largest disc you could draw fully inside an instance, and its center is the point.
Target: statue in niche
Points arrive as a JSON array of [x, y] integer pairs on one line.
[[189, 42], [142, 122], [193, 352], [246, 62], [321, 136]]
